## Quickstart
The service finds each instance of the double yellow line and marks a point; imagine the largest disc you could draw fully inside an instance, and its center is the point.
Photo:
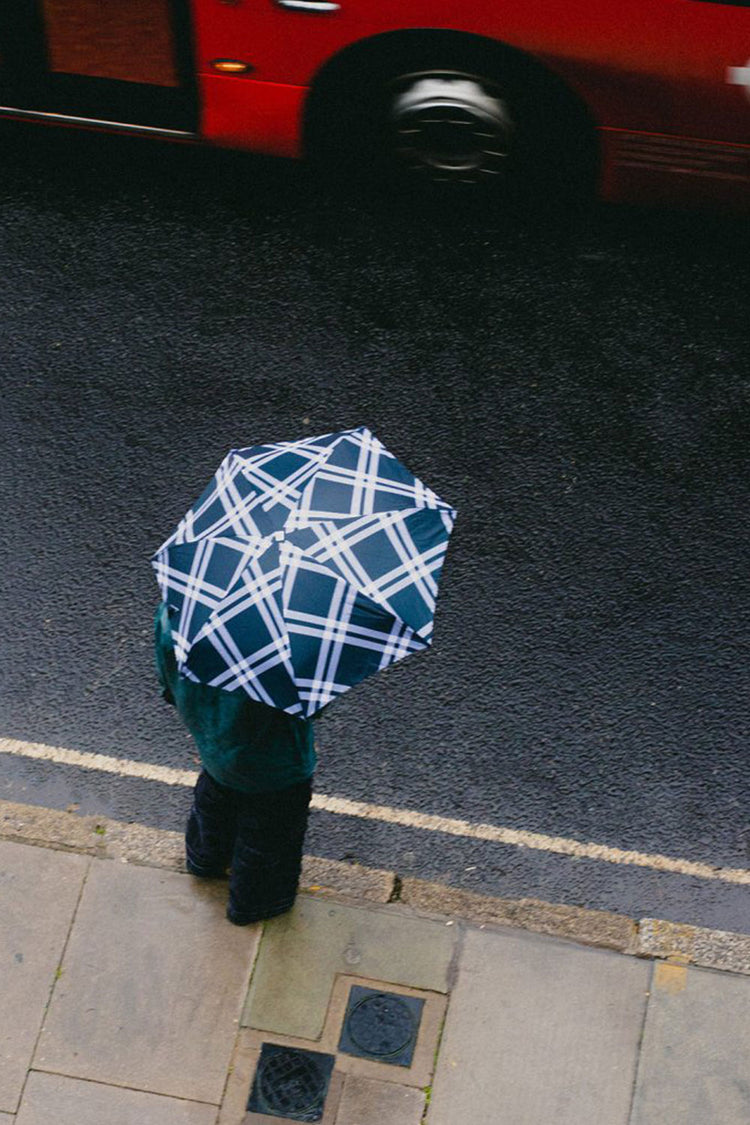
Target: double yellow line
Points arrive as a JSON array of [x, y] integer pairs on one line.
[[408, 818]]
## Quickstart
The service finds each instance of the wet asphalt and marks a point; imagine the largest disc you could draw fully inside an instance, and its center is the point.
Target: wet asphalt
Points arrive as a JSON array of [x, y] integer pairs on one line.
[[578, 389]]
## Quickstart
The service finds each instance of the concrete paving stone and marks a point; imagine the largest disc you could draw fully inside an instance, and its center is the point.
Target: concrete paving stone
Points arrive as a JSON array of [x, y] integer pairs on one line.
[[592, 927], [239, 1082], [712, 949], [68, 1101], [366, 1102], [138, 843], [152, 985], [50, 828], [330, 876], [539, 1031], [695, 1058], [302, 952], [39, 890]]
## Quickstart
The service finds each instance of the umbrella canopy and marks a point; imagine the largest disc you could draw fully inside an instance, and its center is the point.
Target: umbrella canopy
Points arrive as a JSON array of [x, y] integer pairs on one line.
[[304, 567]]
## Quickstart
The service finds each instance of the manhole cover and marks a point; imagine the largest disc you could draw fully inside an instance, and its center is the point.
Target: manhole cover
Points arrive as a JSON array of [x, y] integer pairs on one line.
[[290, 1083], [381, 1025]]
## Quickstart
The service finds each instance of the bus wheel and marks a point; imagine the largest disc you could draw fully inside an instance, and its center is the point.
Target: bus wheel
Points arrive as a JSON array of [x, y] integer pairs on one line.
[[452, 119], [447, 127]]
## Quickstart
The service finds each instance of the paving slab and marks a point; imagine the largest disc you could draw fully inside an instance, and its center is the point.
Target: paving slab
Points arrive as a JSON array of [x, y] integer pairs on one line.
[[695, 1058], [50, 828], [39, 890], [152, 985], [539, 1030], [68, 1101], [591, 927], [711, 949], [366, 1102], [303, 951], [330, 876]]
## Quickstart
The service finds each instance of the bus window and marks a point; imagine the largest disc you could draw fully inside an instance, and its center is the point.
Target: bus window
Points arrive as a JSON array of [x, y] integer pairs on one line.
[[125, 61], [129, 41]]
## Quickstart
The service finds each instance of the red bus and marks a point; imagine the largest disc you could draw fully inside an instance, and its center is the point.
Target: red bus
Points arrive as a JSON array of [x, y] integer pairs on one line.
[[647, 99]]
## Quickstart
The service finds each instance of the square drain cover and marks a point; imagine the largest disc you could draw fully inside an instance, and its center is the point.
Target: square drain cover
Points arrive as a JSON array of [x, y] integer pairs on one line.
[[381, 1026], [290, 1083]]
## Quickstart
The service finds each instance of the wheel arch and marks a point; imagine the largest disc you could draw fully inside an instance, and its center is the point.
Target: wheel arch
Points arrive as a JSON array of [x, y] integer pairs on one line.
[[348, 70]]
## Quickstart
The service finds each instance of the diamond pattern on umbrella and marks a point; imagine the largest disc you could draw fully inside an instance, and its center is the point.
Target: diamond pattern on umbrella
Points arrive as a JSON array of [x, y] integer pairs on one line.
[[303, 568]]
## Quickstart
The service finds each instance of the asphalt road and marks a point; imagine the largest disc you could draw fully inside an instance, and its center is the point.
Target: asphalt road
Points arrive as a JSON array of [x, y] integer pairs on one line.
[[578, 391]]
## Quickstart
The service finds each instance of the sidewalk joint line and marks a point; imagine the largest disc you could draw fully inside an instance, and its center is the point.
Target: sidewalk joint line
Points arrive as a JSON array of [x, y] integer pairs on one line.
[[641, 1035], [122, 1086], [57, 977]]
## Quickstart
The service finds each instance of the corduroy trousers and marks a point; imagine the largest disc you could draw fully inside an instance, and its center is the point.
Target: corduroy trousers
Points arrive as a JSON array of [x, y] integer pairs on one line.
[[259, 836]]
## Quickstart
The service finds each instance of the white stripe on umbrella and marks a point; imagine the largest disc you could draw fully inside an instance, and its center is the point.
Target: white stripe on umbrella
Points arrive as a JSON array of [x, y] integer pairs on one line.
[[398, 579]]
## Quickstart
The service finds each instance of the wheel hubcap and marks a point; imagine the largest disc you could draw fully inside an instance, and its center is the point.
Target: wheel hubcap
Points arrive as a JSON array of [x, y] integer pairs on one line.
[[451, 128]]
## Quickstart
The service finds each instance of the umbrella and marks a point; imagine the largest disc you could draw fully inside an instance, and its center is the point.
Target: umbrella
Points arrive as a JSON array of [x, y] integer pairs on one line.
[[304, 567]]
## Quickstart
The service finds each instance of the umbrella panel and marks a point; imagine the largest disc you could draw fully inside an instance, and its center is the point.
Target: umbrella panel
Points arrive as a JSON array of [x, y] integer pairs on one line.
[[359, 477], [395, 558], [344, 639], [294, 634]]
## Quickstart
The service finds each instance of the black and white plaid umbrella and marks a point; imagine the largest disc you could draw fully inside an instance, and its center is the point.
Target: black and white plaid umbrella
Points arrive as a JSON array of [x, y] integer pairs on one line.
[[304, 567]]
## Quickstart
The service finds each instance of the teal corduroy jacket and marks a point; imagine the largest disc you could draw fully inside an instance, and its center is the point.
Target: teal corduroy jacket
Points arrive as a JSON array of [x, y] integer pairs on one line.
[[242, 744]]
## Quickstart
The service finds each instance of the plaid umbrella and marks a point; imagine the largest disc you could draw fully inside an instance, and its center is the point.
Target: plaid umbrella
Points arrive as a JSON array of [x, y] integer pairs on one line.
[[304, 567]]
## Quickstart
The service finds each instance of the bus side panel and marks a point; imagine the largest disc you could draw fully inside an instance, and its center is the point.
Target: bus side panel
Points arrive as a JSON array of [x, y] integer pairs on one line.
[[614, 55], [260, 116], [673, 170]]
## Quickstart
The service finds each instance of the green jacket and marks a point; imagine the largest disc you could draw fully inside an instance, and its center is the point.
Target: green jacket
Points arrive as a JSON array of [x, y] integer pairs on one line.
[[242, 744]]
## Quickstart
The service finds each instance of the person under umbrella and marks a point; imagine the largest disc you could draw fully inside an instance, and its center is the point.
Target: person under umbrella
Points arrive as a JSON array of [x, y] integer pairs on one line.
[[303, 568]]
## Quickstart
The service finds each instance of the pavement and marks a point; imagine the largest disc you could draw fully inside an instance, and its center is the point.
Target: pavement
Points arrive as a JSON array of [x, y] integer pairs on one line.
[[128, 998]]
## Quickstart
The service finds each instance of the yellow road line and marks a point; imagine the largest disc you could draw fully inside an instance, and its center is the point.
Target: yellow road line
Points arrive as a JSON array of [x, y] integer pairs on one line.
[[123, 767], [409, 818]]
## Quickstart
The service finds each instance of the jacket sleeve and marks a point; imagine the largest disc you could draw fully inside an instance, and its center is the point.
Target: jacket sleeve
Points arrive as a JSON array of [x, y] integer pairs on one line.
[[163, 650]]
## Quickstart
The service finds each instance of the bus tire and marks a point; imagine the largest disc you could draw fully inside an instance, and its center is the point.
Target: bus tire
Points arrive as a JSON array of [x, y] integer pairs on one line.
[[436, 114]]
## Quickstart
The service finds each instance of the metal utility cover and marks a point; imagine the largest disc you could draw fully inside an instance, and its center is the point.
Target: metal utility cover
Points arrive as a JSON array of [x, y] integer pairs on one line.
[[290, 1083], [381, 1025]]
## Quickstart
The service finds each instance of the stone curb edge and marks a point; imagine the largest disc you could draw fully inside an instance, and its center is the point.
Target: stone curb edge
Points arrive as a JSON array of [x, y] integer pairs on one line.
[[154, 847]]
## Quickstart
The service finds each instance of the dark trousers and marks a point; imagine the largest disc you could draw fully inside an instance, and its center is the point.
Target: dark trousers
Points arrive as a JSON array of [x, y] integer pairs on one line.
[[258, 835]]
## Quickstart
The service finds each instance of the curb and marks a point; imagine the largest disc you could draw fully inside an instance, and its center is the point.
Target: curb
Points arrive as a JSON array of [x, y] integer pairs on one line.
[[154, 847]]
